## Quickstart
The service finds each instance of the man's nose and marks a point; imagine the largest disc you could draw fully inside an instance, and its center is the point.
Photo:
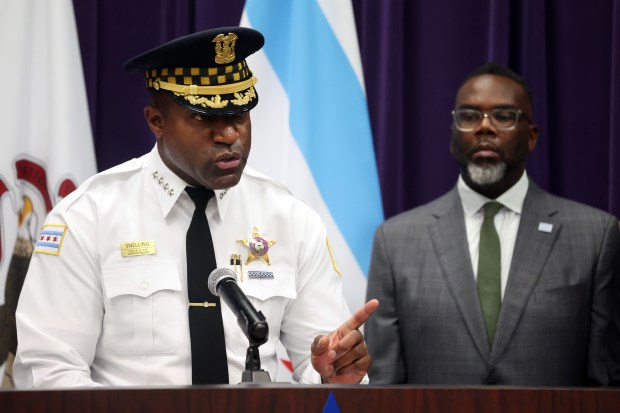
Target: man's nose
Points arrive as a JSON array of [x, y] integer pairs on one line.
[[485, 124], [486, 118], [224, 132]]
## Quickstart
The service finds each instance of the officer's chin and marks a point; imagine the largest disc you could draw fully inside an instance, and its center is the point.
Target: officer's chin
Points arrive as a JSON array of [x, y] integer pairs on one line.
[[228, 180]]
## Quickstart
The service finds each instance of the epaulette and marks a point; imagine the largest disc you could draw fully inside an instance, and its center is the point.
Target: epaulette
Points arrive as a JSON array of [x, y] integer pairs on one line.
[[123, 169]]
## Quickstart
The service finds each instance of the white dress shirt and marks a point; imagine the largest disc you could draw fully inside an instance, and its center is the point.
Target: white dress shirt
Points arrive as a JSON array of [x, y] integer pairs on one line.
[[506, 221], [93, 315]]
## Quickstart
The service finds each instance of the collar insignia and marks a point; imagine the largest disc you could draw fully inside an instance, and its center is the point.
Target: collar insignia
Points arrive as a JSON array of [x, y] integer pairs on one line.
[[162, 183], [258, 246]]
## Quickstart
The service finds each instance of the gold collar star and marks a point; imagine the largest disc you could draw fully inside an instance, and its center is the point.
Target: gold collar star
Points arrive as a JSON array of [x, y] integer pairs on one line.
[[258, 246]]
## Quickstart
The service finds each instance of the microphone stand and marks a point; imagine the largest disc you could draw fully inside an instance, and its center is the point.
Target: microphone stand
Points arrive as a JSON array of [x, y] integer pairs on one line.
[[253, 373]]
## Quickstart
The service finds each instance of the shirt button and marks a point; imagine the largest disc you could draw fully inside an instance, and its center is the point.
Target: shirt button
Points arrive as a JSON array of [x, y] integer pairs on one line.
[[144, 286]]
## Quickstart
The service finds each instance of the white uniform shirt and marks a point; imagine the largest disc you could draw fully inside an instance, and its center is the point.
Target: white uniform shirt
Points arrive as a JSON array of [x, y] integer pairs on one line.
[[91, 315], [506, 221]]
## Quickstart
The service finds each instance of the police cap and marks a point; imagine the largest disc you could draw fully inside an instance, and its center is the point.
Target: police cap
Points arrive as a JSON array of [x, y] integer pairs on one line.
[[206, 71]]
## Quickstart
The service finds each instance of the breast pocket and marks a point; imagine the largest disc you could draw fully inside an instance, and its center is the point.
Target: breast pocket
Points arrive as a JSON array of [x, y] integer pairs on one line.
[[269, 296], [145, 310], [561, 293], [561, 305]]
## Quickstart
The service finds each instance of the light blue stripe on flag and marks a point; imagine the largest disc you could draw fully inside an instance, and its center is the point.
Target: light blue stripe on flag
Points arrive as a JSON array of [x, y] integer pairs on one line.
[[329, 116], [51, 232]]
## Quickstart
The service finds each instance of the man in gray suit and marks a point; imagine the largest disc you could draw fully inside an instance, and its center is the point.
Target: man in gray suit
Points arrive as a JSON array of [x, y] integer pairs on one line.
[[523, 297]]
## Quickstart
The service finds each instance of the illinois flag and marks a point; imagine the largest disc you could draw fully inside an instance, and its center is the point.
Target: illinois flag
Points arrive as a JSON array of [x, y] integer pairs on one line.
[[47, 145], [311, 129]]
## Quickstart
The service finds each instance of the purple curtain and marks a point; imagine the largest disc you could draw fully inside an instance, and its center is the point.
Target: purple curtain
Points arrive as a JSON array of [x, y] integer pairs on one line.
[[415, 54]]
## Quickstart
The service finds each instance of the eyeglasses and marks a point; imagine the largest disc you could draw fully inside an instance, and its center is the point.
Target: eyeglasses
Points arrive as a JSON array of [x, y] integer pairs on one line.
[[504, 119]]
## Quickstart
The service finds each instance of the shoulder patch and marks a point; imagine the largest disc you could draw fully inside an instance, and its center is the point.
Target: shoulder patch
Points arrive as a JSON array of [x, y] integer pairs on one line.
[[50, 239]]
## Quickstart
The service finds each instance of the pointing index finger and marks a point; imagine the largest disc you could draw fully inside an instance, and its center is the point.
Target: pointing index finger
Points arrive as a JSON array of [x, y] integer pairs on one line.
[[360, 316]]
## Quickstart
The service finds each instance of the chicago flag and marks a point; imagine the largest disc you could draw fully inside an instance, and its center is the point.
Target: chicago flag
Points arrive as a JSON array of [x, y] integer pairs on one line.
[[311, 129]]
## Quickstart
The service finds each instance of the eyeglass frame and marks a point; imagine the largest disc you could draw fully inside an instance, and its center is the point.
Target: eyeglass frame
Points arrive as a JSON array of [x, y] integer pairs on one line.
[[487, 114]]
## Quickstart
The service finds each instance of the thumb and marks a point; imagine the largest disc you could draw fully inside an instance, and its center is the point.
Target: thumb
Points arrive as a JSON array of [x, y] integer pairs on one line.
[[319, 345]]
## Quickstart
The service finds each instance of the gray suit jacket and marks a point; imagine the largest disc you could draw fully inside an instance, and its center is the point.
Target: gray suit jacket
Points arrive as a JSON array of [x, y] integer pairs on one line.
[[555, 318]]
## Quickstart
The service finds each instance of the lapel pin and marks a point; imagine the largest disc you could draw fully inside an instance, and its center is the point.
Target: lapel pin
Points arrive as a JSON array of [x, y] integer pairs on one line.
[[545, 227]]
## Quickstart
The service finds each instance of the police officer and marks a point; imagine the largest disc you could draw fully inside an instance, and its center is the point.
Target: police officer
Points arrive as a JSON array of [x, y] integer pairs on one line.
[[109, 296]]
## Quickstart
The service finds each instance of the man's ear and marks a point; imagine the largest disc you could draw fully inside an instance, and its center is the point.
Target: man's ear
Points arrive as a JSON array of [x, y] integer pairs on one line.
[[452, 132], [155, 120], [532, 138]]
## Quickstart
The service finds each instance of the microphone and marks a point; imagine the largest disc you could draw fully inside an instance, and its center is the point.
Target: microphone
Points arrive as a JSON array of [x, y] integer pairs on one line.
[[223, 283]]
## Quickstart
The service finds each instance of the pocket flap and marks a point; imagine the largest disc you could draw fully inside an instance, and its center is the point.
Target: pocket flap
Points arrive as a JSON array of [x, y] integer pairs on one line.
[[141, 279], [281, 285]]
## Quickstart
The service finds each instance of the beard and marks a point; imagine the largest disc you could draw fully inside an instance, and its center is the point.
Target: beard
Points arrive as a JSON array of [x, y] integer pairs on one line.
[[486, 174]]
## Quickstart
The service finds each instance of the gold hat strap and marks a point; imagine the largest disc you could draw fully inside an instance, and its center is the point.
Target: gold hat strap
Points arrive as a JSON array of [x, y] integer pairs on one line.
[[205, 90]]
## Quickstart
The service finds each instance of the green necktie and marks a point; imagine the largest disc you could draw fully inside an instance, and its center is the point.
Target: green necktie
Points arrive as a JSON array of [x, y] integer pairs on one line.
[[489, 270]]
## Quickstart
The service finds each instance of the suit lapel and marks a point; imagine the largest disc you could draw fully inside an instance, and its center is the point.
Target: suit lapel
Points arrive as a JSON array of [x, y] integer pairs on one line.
[[532, 247], [449, 238]]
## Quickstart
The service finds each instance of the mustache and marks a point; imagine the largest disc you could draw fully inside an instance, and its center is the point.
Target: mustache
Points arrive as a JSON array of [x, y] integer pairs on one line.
[[485, 145]]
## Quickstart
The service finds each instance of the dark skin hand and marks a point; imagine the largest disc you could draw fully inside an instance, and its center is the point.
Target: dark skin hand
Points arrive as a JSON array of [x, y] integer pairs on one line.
[[342, 357]]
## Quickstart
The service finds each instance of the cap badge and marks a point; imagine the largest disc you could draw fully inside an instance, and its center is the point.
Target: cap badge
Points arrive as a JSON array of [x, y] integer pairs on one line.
[[258, 246], [225, 48]]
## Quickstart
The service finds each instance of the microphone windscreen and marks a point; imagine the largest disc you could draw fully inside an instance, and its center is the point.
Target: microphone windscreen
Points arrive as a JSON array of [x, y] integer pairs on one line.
[[218, 275]]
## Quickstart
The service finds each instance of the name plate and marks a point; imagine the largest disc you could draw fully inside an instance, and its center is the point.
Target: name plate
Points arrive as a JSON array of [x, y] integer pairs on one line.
[[134, 248]]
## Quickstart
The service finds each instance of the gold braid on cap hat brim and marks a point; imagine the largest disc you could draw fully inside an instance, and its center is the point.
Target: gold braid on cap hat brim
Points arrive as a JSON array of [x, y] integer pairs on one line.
[[194, 94]]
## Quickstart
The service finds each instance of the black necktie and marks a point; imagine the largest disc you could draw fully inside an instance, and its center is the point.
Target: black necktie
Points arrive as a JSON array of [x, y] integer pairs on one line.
[[209, 363]]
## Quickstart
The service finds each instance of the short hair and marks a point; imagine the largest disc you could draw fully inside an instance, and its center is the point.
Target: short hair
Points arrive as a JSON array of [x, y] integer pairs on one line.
[[495, 69]]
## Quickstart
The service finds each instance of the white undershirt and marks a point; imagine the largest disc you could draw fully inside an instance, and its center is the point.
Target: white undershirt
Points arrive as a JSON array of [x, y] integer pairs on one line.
[[506, 221]]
